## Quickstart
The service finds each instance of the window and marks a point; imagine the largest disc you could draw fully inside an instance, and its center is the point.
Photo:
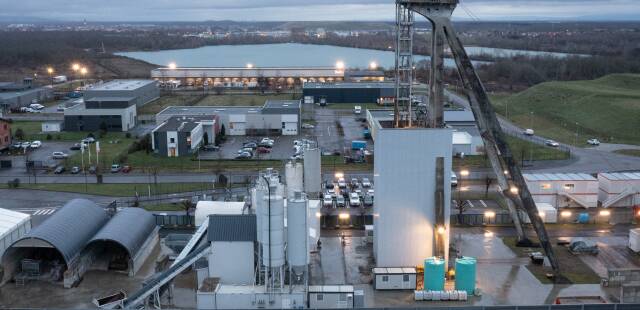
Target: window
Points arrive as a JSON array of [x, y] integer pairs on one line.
[[319, 297], [569, 186], [385, 278], [283, 125], [405, 278], [545, 186], [343, 297], [172, 140]]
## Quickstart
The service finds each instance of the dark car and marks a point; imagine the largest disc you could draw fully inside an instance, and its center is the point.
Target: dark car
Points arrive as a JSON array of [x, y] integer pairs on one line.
[[126, 169], [265, 144], [243, 155], [75, 147], [92, 169], [210, 148], [75, 170], [59, 170]]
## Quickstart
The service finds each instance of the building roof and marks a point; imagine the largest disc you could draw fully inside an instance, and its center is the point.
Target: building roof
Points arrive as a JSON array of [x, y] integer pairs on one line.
[[179, 124], [130, 227], [281, 107], [621, 176], [13, 94], [363, 73], [69, 229], [9, 220], [110, 99], [120, 85], [330, 288], [461, 137], [230, 227], [458, 116], [11, 86], [558, 177], [404, 270], [313, 85]]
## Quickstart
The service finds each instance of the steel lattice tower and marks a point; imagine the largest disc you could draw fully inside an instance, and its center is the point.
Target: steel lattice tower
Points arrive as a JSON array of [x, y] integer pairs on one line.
[[404, 66]]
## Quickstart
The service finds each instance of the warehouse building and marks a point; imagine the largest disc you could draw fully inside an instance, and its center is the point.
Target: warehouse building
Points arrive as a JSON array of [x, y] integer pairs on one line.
[[79, 237], [466, 136], [14, 96], [139, 92], [276, 117], [328, 93], [253, 77], [110, 113], [563, 190], [183, 135]]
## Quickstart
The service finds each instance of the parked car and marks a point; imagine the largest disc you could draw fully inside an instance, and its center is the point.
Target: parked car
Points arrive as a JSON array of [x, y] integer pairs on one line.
[[340, 201], [357, 109], [332, 192], [61, 108], [36, 144], [243, 155], [75, 147], [263, 150], [115, 168], [327, 201], [354, 182], [75, 170], [528, 132], [593, 142], [126, 169], [366, 182], [16, 145], [93, 169], [210, 148], [551, 143], [308, 126], [368, 200], [59, 155], [342, 183], [354, 200], [88, 140], [25, 144], [581, 246], [267, 140], [252, 145], [454, 179], [265, 144], [59, 170]]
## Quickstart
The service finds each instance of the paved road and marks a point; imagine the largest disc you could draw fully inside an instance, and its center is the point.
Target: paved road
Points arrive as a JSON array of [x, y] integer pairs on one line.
[[587, 160]]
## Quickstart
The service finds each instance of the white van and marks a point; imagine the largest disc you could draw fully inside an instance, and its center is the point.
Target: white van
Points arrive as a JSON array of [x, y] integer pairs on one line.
[[528, 132], [357, 109]]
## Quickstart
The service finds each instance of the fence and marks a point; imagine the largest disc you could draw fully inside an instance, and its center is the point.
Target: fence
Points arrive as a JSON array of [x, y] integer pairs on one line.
[[481, 219]]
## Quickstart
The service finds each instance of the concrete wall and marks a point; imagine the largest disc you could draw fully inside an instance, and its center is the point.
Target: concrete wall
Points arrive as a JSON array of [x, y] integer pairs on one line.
[[80, 119], [147, 247], [404, 177], [232, 262]]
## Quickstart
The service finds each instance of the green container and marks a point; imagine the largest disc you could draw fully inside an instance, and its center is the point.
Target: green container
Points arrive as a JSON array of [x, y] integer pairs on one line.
[[434, 274], [466, 274]]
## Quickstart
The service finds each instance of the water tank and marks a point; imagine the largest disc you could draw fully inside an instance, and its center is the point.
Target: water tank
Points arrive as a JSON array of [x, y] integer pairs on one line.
[[273, 226], [434, 274], [312, 171], [257, 204], [293, 173], [297, 249], [466, 274]]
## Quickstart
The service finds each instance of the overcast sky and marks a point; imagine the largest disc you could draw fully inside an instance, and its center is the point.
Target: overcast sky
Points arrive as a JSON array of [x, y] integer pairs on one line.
[[307, 10]]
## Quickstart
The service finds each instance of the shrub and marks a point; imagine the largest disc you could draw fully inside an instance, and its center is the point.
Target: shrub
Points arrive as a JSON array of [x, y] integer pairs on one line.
[[49, 137]]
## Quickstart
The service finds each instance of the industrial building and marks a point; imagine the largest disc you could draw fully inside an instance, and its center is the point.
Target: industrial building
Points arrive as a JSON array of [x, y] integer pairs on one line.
[[563, 190], [112, 114], [466, 138], [252, 77], [619, 189], [13, 225], [406, 173], [183, 135], [348, 92], [276, 117], [14, 96], [138, 92], [81, 236]]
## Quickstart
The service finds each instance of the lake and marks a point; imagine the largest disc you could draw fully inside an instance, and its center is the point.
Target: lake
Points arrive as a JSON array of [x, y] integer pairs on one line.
[[296, 55]]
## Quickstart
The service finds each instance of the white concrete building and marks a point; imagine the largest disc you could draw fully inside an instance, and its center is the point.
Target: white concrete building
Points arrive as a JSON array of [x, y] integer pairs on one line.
[[405, 206], [563, 190], [619, 189], [52, 126], [232, 239], [330, 296], [13, 225]]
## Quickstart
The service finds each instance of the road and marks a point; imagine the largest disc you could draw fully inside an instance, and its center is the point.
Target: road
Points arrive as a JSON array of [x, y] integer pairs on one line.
[[584, 160]]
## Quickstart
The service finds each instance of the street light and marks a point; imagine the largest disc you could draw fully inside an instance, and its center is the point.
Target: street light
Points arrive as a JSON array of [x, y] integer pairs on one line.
[[249, 65], [172, 66], [75, 67], [50, 71], [340, 65], [464, 173], [83, 71], [513, 190], [373, 65], [441, 230]]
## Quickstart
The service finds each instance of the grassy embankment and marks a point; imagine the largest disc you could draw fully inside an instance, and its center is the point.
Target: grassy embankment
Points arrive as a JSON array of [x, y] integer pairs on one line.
[[118, 190], [607, 108]]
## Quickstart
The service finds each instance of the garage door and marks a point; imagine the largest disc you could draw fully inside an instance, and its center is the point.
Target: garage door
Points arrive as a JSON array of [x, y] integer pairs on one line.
[[237, 128]]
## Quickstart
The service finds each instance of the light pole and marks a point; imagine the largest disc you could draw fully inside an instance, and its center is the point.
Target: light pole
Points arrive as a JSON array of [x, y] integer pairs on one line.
[[575, 141], [50, 72], [83, 72], [75, 67]]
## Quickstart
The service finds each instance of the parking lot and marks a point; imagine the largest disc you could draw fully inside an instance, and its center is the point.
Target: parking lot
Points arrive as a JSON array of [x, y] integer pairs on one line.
[[41, 155], [282, 148], [348, 192]]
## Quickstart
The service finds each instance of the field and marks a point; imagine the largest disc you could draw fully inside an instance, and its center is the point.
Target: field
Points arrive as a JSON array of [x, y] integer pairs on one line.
[[635, 153], [572, 112], [198, 99], [120, 189]]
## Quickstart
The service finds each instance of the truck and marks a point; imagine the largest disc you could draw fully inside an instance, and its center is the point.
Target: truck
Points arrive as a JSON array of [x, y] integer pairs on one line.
[[358, 145], [59, 79], [366, 133]]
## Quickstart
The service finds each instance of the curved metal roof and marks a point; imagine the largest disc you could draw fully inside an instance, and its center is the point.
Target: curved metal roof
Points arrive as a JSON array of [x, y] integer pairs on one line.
[[130, 228], [69, 229]]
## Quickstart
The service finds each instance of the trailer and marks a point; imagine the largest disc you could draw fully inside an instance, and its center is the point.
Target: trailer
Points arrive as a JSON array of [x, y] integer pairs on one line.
[[59, 79], [358, 145]]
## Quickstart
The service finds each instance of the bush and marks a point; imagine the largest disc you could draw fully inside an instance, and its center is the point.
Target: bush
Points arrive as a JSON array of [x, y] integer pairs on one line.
[[128, 135], [49, 137], [19, 134], [58, 137], [15, 183]]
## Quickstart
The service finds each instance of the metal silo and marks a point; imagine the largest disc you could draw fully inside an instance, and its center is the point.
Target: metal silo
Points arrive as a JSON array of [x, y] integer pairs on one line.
[[297, 249], [293, 173], [273, 227], [312, 172]]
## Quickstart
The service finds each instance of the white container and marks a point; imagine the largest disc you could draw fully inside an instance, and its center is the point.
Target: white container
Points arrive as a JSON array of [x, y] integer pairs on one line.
[[437, 295], [462, 295], [297, 247], [428, 295], [418, 295]]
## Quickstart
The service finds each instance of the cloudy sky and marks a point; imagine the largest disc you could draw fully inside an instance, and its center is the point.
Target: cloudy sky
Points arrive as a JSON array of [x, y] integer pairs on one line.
[[281, 10]]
